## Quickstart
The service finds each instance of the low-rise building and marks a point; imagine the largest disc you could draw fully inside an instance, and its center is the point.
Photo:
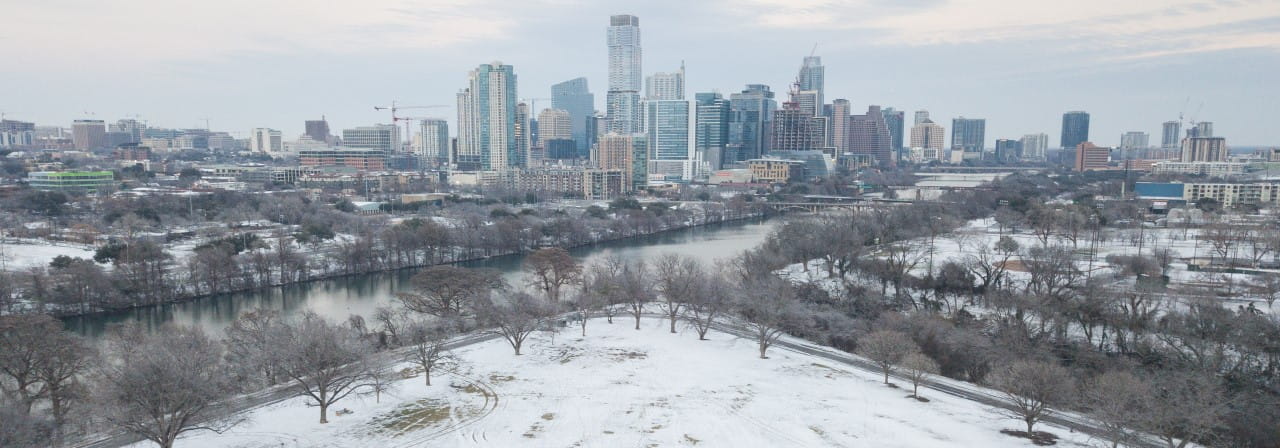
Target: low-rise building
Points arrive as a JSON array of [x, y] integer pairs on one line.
[[361, 159], [1213, 169], [776, 170], [71, 181]]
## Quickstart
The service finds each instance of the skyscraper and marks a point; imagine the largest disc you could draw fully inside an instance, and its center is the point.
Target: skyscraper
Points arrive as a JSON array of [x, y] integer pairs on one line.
[[1204, 129], [841, 113], [1008, 150], [487, 118], [794, 129], [1171, 134], [1034, 146], [574, 97], [672, 146], [1091, 157], [555, 134], [896, 122], [869, 134], [526, 131], [266, 140], [318, 130], [665, 86], [921, 116], [812, 78], [433, 140], [623, 99], [133, 128], [1133, 140], [617, 152], [89, 134], [1204, 149], [927, 134], [750, 121], [382, 137], [969, 135], [712, 132], [1075, 129]]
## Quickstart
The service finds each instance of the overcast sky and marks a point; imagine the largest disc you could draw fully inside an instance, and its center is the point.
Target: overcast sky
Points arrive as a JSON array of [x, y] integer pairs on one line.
[[1018, 63]]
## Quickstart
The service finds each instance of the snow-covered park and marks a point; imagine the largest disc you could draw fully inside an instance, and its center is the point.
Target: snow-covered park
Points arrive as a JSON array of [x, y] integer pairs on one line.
[[619, 387], [17, 254]]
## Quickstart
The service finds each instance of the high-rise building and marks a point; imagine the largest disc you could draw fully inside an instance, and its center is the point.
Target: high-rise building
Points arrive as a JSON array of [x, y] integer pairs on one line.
[[487, 137], [968, 135], [809, 101], [133, 128], [574, 97], [921, 116], [317, 130], [672, 143], [617, 152], [750, 122], [869, 134], [1204, 149], [1034, 146], [1008, 150], [433, 140], [841, 114], [266, 140], [1204, 129], [597, 125], [1075, 129], [896, 122], [1133, 140], [665, 86], [1171, 134], [712, 132], [928, 135], [89, 134], [525, 134], [813, 78], [381, 137], [794, 129], [1091, 157], [623, 98], [554, 124]]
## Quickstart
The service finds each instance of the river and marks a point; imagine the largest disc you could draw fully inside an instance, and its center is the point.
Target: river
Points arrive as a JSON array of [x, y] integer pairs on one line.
[[339, 298]]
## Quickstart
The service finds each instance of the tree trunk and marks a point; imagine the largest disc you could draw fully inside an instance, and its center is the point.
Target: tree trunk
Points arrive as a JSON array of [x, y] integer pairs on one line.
[[673, 323], [915, 390], [1030, 423], [324, 412], [426, 373], [637, 321], [763, 347], [886, 376]]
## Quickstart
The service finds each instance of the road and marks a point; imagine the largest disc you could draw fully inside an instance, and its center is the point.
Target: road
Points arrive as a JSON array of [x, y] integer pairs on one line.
[[966, 391]]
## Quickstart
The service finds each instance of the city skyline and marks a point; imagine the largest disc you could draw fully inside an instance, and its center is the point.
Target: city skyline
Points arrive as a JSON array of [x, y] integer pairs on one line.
[[1135, 86]]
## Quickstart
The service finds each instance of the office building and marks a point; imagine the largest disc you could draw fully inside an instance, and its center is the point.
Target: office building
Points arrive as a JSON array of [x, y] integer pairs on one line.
[[1204, 129], [1171, 135], [672, 145], [317, 130], [266, 140], [969, 135], [362, 159], [665, 86], [895, 119], [487, 120], [133, 130], [525, 135], [1075, 129], [71, 181], [920, 117], [617, 152], [89, 134], [380, 137], [809, 102], [1090, 157], [812, 79], [1008, 150], [1204, 149], [573, 97], [1211, 169], [622, 102], [16, 126], [869, 134], [1034, 146], [712, 131], [433, 141], [1133, 140], [778, 171], [554, 124], [928, 135], [841, 114], [1230, 195], [750, 122]]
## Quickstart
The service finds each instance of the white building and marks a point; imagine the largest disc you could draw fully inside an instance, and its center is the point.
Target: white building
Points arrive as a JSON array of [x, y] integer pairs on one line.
[[1134, 140], [266, 140], [928, 135], [665, 86], [382, 137], [554, 124], [1214, 169], [1034, 146]]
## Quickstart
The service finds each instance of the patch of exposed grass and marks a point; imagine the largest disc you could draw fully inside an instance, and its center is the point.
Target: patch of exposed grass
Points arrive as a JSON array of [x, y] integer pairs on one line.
[[412, 416]]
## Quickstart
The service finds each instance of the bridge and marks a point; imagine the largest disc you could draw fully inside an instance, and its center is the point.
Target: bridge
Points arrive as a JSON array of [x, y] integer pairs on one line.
[[813, 207]]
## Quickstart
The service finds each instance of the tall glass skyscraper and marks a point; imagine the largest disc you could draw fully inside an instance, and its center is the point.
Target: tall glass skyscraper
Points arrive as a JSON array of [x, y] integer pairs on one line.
[[487, 134], [672, 125], [968, 134], [712, 128], [812, 78], [1075, 129], [623, 99], [750, 119], [574, 97], [896, 120]]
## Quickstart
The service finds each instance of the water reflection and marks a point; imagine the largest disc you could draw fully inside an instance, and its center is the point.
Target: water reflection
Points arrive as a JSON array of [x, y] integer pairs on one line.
[[362, 294]]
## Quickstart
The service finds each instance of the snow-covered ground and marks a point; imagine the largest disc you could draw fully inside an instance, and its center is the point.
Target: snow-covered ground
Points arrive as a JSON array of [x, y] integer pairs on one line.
[[20, 254], [622, 387]]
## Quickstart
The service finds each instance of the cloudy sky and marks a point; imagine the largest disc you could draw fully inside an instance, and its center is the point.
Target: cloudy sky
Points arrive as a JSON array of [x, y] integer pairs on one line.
[[1018, 63]]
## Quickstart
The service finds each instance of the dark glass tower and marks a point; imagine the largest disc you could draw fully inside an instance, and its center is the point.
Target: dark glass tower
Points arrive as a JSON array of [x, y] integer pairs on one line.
[[1075, 129]]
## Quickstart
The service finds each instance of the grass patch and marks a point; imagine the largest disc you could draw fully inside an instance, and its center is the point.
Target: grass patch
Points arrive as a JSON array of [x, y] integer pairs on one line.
[[413, 416], [691, 440], [548, 416], [501, 378], [1040, 438]]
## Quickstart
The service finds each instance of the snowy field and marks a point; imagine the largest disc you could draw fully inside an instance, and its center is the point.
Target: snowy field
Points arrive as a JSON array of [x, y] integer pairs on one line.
[[20, 254], [619, 387]]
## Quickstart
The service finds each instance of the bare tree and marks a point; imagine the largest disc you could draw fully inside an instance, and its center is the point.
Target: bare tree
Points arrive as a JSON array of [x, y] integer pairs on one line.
[[1032, 387], [1185, 407], [679, 278], [637, 284], [66, 358], [767, 305], [714, 297], [919, 367], [248, 341], [325, 361], [886, 348], [427, 345], [159, 386], [23, 345], [1118, 400], [551, 269], [448, 290], [603, 282], [515, 317]]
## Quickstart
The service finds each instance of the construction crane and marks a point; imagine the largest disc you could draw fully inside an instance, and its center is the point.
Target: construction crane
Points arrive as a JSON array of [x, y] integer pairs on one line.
[[395, 119], [533, 104]]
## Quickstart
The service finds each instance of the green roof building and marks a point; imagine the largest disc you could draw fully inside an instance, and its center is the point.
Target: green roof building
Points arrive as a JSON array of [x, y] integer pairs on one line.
[[71, 181]]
